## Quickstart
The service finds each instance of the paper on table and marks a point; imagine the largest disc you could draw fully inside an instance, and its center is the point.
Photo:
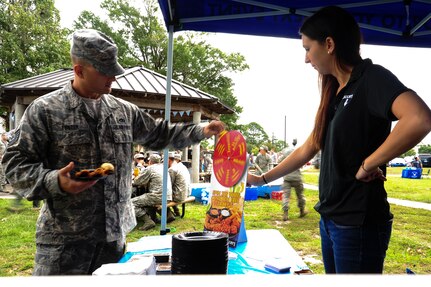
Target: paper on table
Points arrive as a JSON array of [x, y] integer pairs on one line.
[[145, 265], [150, 243]]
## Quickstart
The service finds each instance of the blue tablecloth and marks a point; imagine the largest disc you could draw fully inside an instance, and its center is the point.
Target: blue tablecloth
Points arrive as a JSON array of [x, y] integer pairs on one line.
[[248, 257]]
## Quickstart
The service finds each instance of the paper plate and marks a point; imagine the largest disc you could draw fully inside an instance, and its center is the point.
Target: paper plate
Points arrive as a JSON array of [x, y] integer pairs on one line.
[[230, 158], [86, 178]]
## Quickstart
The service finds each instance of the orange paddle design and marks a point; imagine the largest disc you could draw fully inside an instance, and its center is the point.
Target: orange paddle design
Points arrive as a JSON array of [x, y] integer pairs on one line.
[[230, 158]]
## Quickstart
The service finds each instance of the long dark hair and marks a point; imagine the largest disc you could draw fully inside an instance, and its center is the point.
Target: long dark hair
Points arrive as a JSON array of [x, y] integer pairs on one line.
[[337, 23]]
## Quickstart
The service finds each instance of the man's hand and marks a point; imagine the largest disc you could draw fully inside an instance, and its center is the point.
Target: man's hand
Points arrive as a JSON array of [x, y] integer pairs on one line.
[[213, 128], [67, 184]]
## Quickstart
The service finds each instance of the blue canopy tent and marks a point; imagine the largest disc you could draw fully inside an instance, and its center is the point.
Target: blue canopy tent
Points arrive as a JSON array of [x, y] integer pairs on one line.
[[383, 22]]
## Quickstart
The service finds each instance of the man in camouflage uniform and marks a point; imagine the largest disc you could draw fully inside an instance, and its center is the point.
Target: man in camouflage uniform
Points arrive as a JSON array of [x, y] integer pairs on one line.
[[152, 179], [263, 161], [293, 179], [83, 224], [180, 179], [3, 144]]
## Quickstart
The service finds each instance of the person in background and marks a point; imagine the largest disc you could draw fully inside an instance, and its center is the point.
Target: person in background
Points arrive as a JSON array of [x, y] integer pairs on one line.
[[180, 182], [359, 101], [83, 224], [3, 145], [274, 158], [292, 180], [417, 163], [262, 161], [206, 163], [138, 167], [139, 164], [152, 179], [184, 171]]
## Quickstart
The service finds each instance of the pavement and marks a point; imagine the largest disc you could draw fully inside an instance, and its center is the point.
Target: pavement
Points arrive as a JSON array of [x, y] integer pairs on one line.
[[7, 193], [407, 203], [402, 202]]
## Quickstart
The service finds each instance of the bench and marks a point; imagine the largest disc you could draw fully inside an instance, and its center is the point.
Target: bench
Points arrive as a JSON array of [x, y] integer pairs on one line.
[[183, 204]]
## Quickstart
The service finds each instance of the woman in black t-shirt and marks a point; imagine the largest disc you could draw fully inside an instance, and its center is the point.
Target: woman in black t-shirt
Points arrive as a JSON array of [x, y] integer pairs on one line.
[[359, 101]]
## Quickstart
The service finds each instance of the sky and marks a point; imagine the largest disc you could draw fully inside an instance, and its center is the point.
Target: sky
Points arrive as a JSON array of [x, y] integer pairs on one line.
[[279, 91]]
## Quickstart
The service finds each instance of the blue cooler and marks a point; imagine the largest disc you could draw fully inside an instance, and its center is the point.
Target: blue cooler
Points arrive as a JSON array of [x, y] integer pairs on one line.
[[411, 172], [251, 193], [200, 191]]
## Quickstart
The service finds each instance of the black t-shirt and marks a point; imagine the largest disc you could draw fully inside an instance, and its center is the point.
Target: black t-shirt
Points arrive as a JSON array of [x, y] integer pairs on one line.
[[359, 121]]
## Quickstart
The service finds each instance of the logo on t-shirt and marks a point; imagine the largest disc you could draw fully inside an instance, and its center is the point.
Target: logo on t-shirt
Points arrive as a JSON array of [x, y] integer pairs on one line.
[[347, 99]]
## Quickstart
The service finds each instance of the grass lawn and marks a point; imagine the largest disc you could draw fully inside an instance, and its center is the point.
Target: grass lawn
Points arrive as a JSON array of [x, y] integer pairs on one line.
[[396, 187], [410, 243]]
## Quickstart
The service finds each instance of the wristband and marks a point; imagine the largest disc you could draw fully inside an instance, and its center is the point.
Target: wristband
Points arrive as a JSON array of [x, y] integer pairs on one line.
[[363, 167], [264, 179]]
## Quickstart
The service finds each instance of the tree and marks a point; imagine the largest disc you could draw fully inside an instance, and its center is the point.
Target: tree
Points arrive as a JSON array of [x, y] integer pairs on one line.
[[254, 135], [198, 64], [425, 149], [31, 39], [142, 40], [410, 152], [279, 145]]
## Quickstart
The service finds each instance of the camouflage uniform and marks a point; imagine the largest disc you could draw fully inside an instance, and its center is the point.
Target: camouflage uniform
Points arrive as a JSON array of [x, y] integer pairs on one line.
[[293, 179], [2, 174], [263, 162], [186, 174], [180, 185], [58, 128], [152, 178]]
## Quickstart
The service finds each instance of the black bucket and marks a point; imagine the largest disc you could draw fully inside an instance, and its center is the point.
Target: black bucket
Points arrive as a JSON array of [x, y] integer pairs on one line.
[[199, 253]]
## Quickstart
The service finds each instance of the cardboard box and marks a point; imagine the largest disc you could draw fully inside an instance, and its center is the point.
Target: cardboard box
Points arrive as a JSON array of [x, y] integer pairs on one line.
[[277, 195]]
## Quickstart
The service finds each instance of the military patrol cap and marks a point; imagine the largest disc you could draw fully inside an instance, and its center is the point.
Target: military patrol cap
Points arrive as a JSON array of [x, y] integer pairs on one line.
[[171, 154], [97, 49], [139, 155], [155, 158], [177, 156]]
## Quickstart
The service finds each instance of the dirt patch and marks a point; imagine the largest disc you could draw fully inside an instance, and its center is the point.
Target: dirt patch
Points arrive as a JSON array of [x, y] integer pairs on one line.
[[310, 258]]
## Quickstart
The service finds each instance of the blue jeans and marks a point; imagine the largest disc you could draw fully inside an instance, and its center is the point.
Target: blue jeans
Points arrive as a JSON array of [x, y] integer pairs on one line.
[[354, 249]]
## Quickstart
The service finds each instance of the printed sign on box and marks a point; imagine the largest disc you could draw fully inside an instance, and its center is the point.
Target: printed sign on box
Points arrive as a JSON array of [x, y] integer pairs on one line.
[[225, 213]]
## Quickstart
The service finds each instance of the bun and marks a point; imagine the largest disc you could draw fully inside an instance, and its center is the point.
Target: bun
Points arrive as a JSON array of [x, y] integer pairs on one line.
[[105, 169], [108, 168]]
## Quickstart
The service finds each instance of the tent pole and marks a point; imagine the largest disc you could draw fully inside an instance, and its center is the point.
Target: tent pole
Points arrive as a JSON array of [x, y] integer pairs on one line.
[[163, 229]]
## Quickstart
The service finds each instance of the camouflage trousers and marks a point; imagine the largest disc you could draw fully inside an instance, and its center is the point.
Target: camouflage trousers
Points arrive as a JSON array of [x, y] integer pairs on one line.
[[287, 189], [76, 259], [143, 202], [179, 195], [2, 178]]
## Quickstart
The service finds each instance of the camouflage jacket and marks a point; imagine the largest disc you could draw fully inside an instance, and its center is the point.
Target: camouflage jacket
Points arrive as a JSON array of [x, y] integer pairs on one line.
[[57, 129], [180, 182], [2, 148], [263, 162], [294, 175], [152, 179]]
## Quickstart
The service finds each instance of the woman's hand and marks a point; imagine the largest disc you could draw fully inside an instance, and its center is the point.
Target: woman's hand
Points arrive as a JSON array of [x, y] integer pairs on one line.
[[255, 180], [369, 175]]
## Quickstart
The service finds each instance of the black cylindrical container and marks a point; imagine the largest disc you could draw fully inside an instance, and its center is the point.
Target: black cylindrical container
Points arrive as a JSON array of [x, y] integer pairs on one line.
[[199, 253]]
